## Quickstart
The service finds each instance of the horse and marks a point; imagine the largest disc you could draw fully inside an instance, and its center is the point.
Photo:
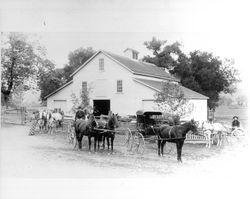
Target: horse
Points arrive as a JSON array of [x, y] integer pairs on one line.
[[83, 127], [51, 124], [92, 132], [42, 121], [41, 125], [216, 130], [58, 117], [175, 134], [109, 134]]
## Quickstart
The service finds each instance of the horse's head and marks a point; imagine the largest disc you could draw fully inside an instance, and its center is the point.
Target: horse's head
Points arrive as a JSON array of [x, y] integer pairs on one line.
[[91, 120], [113, 121]]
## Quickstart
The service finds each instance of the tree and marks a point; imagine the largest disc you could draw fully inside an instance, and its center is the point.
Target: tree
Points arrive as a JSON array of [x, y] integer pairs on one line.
[[242, 100], [166, 58], [171, 101], [48, 83], [212, 75], [200, 71], [52, 78], [17, 96], [18, 61], [155, 45], [77, 58], [83, 101], [22, 63]]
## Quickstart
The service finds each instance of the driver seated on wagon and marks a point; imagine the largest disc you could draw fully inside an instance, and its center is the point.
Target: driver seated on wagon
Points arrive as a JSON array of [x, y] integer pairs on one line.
[[235, 122]]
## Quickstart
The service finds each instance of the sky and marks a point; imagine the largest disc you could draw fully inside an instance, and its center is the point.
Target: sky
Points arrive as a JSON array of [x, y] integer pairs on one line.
[[220, 27]]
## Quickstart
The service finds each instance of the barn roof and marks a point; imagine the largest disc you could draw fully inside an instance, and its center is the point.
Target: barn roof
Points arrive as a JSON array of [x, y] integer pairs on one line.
[[134, 66], [157, 86], [57, 90], [141, 68]]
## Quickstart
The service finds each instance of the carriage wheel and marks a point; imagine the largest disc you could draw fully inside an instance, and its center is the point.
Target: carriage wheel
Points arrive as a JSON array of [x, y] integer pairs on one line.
[[128, 138], [237, 132], [138, 144]]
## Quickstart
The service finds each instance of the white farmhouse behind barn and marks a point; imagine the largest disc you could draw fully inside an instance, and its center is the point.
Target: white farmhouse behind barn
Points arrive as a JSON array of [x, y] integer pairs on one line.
[[122, 84]]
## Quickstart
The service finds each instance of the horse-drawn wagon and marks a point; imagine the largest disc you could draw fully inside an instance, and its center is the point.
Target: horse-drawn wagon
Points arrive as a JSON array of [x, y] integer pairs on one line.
[[142, 130], [151, 127]]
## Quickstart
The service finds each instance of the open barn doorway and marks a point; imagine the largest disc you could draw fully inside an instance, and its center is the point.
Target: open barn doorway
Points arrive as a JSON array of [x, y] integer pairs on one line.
[[101, 107]]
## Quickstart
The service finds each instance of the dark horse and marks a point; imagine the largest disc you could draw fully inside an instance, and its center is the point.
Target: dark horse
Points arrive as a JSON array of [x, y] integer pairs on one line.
[[109, 133], [92, 132], [83, 127], [175, 134]]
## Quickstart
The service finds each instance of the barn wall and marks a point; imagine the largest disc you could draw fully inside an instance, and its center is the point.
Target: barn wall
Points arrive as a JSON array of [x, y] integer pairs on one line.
[[61, 99], [103, 84], [199, 112]]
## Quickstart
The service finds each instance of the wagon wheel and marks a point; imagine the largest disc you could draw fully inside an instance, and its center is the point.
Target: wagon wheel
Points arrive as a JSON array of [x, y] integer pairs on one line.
[[128, 138], [237, 132], [71, 135], [138, 144]]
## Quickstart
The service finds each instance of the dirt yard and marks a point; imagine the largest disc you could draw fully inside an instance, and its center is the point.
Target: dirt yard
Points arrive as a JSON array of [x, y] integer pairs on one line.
[[52, 156], [47, 166]]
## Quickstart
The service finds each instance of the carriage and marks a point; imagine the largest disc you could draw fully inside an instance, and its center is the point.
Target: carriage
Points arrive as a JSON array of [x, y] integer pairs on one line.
[[143, 131]]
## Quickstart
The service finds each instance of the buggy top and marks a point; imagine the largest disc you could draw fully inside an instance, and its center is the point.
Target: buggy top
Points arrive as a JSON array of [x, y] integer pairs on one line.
[[140, 112], [145, 117]]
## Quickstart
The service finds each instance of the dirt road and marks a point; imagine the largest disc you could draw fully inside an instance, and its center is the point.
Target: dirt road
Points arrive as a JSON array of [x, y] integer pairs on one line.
[[51, 156]]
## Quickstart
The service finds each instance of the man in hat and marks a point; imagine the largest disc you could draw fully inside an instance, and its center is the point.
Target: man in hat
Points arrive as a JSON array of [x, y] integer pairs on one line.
[[235, 122], [79, 113]]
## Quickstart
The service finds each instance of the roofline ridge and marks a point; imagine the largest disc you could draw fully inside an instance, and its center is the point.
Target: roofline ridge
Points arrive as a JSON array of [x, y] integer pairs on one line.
[[61, 87]]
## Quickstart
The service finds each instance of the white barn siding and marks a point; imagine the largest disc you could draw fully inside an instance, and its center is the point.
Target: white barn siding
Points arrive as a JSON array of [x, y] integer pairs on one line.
[[199, 112], [199, 109], [103, 86], [61, 99]]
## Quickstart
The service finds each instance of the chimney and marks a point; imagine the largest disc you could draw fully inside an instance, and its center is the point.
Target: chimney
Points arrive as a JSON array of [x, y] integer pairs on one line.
[[131, 53]]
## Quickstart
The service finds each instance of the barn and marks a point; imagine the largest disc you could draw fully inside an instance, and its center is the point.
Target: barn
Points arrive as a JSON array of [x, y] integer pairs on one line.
[[122, 84]]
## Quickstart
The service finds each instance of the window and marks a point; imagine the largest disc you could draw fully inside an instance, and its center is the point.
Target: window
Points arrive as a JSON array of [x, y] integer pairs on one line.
[[84, 86], [135, 55], [101, 64], [119, 86]]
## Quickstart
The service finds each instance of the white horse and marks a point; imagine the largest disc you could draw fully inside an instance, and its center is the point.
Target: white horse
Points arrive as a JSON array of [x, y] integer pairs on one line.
[[58, 117], [42, 121], [214, 130], [51, 125]]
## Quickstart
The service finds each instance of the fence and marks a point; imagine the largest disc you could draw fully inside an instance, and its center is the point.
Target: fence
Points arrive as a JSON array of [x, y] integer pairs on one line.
[[14, 116]]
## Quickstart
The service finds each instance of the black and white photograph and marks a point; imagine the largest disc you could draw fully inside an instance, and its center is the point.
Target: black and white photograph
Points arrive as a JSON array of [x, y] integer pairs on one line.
[[124, 99]]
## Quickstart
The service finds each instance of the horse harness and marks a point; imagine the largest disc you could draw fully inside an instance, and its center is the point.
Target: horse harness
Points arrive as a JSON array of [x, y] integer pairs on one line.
[[160, 138]]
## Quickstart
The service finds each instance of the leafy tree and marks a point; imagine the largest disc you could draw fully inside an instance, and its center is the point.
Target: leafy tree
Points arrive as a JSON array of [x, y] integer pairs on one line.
[[48, 83], [212, 76], [52, 78], [17, 96], [168, 57], [83, 101], [171, 101], [200, 71], [242, 100], [23, 62], [155, 45], [77, 58], [18, 63]]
